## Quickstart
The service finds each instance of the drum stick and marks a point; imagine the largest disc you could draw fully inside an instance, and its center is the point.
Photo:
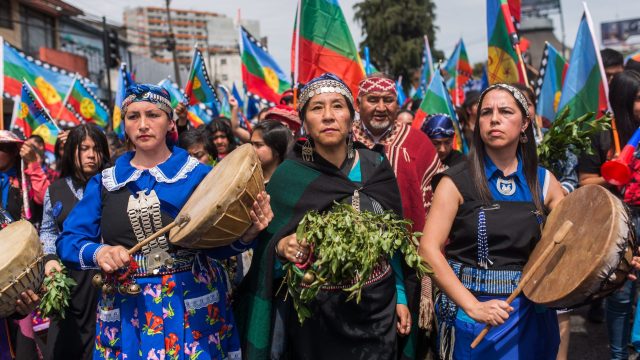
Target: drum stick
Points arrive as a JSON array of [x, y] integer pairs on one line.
[[181, 220], [557, 239]]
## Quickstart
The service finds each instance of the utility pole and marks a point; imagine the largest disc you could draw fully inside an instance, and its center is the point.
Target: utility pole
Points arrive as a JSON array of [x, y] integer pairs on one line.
[[171, 42]]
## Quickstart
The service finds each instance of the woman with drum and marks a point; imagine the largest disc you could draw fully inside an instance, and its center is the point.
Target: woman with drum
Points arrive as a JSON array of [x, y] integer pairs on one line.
[[324, 168], [624, 96], [177, 306], [86, 153], [485, 220]]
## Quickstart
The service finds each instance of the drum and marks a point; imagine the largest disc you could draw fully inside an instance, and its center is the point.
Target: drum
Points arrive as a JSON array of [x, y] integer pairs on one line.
[[21, 264], [594, 257], [219, 207]]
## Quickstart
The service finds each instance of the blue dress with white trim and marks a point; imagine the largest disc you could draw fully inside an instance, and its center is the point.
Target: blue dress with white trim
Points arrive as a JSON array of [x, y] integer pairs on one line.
[[181, 314]]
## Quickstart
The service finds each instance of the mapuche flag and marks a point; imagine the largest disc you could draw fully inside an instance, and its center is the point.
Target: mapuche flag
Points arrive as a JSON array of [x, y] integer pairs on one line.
[[460, 72], [199, 88], [86, 105], [323, 43], [200, 114], [438, 101], [585, 88], [50, 83], [553, 69], [261, 74], [32, 113], [503, 62], [124, 81]]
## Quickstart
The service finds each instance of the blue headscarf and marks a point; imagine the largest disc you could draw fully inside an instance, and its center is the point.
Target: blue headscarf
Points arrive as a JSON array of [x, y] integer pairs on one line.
[[149, 93], [438, 126]]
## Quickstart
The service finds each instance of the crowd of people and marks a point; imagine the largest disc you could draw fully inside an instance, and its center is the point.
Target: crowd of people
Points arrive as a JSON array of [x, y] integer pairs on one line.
[[101, 196]]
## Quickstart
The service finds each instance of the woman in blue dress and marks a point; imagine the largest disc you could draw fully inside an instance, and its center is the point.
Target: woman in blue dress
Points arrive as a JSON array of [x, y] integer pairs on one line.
[[183, 311], [487, 215]]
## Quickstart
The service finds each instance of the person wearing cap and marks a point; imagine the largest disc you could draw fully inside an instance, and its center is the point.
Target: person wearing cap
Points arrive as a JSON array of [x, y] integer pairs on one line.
[[415, 162], [486, 218], [180, 307], [439, 129], [325, 167]]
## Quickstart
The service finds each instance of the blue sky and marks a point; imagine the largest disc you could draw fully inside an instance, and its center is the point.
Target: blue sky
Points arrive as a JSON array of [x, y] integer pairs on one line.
[[455, 19]]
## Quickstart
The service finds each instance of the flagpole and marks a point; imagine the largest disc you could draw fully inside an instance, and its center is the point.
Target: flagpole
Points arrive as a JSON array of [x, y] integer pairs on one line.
[[515, 41], [36, 98], [66, 98], [296, 66], [2, 83]]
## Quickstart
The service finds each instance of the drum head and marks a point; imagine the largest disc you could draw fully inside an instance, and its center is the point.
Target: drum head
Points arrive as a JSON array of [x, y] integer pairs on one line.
[[219, 207], [577, 268]]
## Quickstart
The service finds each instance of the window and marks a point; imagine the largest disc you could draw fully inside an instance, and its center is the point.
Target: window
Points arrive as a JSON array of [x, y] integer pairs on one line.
[[6, 14], [37, 31]]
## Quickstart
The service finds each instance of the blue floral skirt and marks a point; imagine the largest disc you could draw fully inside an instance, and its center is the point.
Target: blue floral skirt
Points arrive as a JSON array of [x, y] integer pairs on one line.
[[186, 315]]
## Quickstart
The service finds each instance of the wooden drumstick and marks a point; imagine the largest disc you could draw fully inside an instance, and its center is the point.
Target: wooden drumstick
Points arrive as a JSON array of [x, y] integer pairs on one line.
[[179, 221], [557, 239]]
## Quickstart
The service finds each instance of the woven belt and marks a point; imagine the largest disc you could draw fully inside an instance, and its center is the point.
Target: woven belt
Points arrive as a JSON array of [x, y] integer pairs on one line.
[[181, 262], [486, 281]]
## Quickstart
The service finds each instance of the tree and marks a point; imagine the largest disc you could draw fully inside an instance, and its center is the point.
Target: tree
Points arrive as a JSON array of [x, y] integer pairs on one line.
[[394, 32]]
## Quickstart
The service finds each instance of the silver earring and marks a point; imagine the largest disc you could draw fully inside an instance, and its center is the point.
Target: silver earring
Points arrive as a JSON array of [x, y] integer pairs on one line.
[[523, 137], [351, 153], [307, 151]]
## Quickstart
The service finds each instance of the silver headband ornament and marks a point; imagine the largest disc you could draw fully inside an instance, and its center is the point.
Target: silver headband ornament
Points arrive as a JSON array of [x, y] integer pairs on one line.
[[516, 93], [323, 87]]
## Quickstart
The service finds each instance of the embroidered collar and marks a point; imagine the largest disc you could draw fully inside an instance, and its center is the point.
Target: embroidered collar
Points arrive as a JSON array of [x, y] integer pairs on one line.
[[363, 134], [175, 168]]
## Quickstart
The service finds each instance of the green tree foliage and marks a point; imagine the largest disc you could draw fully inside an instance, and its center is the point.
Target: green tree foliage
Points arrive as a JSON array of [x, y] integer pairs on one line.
[[394, 32]]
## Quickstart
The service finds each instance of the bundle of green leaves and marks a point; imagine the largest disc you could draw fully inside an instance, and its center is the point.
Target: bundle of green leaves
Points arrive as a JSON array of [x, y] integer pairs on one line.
[[347, 246], [57, 294], [569, 134]]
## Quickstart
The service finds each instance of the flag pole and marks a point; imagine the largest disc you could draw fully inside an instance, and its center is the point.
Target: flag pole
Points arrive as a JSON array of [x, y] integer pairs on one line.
[[37, 99], [296, 65], [515, 41], [66, 98]]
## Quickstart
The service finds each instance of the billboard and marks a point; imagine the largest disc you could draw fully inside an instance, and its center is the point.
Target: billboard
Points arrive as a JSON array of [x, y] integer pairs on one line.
[[621, 33]]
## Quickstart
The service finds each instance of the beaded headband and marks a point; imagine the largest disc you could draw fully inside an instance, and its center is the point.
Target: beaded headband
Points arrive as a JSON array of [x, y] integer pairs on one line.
[[326, 83], [376, 84], [517, 95]]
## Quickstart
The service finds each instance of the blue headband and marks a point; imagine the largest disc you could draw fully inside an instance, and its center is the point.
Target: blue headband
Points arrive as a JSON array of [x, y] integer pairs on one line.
[[149, 93], [438, 126]]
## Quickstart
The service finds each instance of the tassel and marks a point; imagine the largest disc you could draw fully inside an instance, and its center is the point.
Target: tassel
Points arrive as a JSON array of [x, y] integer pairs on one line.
[[427, 310]]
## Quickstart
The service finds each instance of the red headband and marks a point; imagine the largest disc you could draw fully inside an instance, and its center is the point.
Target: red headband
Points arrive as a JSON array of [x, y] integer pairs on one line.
[[376, 84]]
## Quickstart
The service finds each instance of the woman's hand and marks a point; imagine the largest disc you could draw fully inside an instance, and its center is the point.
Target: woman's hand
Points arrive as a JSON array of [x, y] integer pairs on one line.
[[492, 312], [27, 303], [51, 266], [181, 113], [404, 319], [28, 153], [289, 248], [112, 258], [261, 216]]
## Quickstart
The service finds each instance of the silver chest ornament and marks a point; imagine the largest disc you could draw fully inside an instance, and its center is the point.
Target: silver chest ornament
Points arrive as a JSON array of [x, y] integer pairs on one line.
[[145, 217], [506, 187]]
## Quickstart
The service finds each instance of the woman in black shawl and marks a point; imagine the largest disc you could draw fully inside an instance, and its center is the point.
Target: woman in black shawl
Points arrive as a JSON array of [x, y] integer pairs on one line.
[[323, 168]]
